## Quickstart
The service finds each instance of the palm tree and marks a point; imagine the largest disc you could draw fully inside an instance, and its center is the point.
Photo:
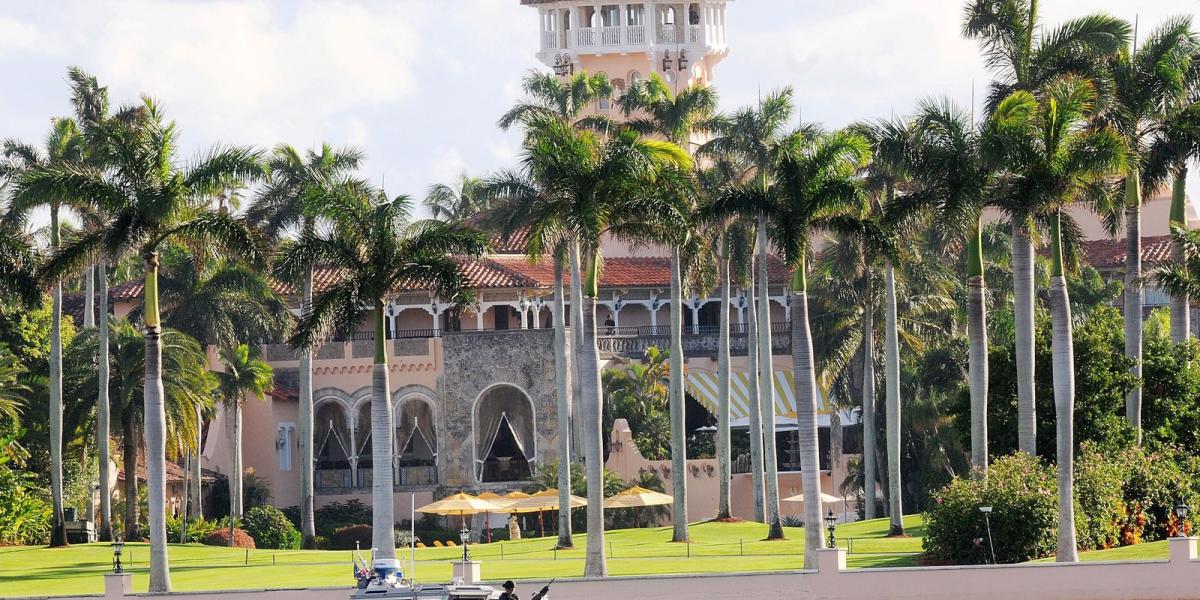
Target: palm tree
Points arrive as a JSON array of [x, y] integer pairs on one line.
[[575, 186], [952, 177], [244, 373], [459, 202], [1182, 277], [1145, 80], [375, 247], [18, 268], [187, 386], [678, 118], [150, 201], [890, 167], [758, 136], [1175, 142], [1024, 59], [63, 145], [12, 388], [1057, 158], [291, 200], [816, 187]]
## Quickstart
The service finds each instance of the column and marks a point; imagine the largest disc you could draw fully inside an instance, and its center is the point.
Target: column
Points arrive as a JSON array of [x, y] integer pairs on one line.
[[653, 315], [437, 325], [695, 315], [524, 317], [479, 310], [650, 22]]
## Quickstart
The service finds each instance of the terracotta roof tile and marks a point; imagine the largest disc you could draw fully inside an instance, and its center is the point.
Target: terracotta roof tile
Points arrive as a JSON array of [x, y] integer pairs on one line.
[[1110, 254]]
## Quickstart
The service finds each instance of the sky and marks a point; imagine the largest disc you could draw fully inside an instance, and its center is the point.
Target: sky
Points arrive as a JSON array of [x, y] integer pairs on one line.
[[419, 84]]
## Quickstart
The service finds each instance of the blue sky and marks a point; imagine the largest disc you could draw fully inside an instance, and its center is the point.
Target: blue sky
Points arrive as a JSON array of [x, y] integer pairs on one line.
[[419, 84]]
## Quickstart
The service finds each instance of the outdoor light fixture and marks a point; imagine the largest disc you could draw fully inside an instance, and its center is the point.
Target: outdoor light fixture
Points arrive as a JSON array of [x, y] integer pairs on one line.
[[1182, 510], [117, 547], [563, 65], [465, 536], [987, 512], [831, 524], [682, 61], [666, 61]]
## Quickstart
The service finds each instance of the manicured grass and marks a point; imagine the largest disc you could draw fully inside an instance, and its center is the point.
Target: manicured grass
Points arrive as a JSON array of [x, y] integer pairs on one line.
[[715, 548], [1149, 551]]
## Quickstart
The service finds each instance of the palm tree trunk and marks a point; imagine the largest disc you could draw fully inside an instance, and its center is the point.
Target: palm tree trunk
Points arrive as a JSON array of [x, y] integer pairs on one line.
[[562, 387], [58, 532], [755, 412], [155, 421], [383, 521], [129, 446], [233, 414], [806, 417], [870, 492], [1022, 259], [308, 527], [103, 415], [977, 358], [89, 297], [1064, 402], [1181, 317], [723, 446], [1133, 296], [892, 373], [197, 502], [766, 387], [675, 394], [595, 563], [579, 438]]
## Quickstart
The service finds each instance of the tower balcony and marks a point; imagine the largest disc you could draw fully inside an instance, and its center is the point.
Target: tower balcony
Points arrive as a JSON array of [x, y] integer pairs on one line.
[[626, 27]]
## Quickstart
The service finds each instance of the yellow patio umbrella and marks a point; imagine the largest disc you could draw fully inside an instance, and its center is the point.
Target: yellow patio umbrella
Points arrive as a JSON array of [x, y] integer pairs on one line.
[[461, 504], [636, 497], [498, 500], [542, 501], [825, 498]]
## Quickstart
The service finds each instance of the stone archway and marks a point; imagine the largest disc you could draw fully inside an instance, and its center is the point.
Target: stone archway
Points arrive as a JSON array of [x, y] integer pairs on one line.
[[504, 428]]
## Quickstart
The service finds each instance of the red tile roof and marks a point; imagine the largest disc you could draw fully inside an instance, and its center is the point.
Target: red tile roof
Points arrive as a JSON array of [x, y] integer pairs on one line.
[[1110, 254]]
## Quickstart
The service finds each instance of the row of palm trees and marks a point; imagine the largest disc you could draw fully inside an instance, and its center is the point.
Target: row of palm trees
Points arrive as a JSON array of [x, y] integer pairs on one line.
[[1067, 116]]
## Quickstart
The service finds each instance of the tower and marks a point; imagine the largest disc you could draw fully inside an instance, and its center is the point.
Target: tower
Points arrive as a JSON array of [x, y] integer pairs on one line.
[[681, 41]]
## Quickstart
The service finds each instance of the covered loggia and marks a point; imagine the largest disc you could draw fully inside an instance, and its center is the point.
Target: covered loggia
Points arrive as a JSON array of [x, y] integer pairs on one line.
[[333, 464], [416, 438], [505, 448]]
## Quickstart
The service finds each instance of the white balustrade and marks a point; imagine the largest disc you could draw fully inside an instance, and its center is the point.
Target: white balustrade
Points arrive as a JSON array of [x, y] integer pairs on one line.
[[549, 39], [635, 35], [666, 35], [585, 36], [610, 36], [694, 34]]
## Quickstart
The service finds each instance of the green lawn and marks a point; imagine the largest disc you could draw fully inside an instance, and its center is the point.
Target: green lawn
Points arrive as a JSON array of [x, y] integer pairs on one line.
[[715, 548], [1148, 551]]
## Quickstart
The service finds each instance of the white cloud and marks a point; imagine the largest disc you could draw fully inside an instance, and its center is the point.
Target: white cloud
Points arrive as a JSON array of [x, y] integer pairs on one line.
[[447, 166], [19, 37]]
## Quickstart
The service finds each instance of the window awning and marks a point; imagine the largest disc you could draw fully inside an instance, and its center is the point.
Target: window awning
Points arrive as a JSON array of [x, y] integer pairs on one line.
[[705, 387]]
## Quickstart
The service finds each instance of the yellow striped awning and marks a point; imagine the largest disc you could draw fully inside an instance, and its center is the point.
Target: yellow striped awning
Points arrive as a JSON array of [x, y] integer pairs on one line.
[[705, 387]]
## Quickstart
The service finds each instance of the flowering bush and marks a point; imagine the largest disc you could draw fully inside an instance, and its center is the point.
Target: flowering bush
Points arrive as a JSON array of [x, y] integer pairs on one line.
[[1022, 492], [220, 537]]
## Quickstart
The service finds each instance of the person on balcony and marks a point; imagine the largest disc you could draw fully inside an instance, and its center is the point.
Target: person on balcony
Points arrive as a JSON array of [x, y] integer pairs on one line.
[[610, 326]]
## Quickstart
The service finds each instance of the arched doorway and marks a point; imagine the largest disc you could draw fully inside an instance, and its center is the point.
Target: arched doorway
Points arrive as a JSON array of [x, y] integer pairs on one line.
[[333, 446], [505, 448], [416, 440]]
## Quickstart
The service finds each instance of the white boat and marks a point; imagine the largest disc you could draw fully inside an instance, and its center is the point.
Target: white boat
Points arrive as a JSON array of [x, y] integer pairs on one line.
[[385, 580]]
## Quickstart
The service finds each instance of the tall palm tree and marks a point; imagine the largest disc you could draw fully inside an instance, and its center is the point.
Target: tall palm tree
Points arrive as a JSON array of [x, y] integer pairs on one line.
[[1175, 142], [678, 118], [150, 200], [12, 388], [18, 268], [376, 247], [890, 167], [244, 373], [458, 202], [1145, 79], [1024, 58], [63, 146], [589, 187], [816, 187], [952, 177], [289, 201], [759, 137], [1057, 158], [187, 386]]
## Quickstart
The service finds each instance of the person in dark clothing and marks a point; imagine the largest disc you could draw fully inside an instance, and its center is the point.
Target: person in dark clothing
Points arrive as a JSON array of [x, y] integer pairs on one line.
[[510, 592], [610, 325]]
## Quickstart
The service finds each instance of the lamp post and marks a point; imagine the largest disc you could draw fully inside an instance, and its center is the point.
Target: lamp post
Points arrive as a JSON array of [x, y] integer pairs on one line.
[[465, 536], [118, 546], [1181, 513], [831, 525], [987, 512]]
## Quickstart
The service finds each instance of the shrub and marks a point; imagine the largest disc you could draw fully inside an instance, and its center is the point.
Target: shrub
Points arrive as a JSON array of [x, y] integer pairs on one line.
[[271, 529], [403, 537], [197, 529], [293, 514], [1100, 508], [1155, 482], [220, 537], [351, 537], [336, 515], [1022, 492], [24, 509]]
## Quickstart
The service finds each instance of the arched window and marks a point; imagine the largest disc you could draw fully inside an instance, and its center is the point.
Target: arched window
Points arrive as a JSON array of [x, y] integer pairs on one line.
[[333, 446], [416, 441], [505, 444], [634, 78]]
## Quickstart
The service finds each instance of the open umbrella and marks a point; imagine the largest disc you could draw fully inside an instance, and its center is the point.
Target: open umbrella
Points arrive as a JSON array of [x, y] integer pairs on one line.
[[825, 498], [460, 504], [542, 501], [635, 498]]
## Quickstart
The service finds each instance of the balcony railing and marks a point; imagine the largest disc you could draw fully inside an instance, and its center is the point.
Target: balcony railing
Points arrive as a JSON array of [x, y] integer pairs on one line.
[[666, 35], [549, 40], [632, 342], [694, 34], [610, 36], [585, 36], [635, 34], [339, 480]]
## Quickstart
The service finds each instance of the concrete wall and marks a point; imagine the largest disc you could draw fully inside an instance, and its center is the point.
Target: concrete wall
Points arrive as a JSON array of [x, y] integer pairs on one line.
[[1176, 578]]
